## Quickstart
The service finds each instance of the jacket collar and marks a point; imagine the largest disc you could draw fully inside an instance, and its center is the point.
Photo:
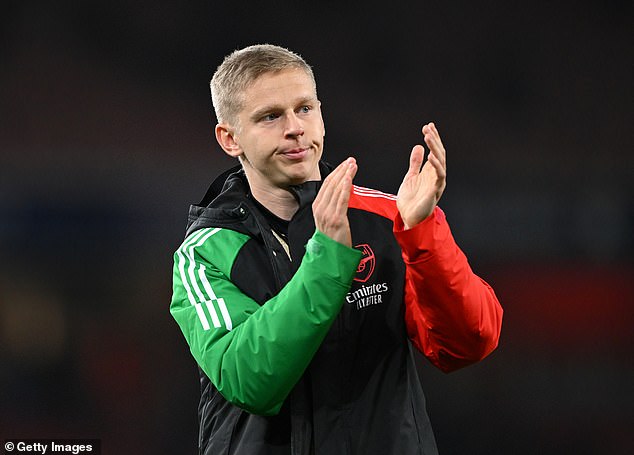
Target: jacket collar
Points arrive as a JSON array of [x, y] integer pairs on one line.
[[226, 202], [307, 191]]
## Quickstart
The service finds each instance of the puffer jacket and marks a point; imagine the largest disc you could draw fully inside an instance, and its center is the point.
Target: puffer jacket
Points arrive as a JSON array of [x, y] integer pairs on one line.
[[304, 345]]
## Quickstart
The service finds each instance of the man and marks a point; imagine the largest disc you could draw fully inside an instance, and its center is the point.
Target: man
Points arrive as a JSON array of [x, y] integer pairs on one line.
[[300, 295]]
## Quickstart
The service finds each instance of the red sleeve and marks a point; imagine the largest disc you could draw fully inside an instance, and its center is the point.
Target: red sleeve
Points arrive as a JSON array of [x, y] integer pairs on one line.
[[453, 317]]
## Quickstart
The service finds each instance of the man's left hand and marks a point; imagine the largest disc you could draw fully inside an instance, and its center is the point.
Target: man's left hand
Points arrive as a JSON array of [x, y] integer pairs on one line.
[[422, 188]]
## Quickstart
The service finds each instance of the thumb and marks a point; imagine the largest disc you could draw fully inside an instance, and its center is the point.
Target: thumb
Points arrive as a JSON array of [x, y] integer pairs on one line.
[[416, 160]]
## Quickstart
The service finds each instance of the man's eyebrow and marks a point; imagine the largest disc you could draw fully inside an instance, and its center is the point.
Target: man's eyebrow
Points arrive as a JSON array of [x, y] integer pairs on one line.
[[256, 115], [306, 100]]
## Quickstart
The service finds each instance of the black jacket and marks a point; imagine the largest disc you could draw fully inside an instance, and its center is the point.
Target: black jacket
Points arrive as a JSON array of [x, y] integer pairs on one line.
[[361, 393]]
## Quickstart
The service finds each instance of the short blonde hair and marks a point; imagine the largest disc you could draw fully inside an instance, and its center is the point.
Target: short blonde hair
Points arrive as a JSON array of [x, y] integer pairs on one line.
[[241, 68]]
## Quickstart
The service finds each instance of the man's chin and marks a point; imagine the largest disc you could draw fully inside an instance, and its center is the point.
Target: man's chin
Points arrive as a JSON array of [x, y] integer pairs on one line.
[[301, 176]]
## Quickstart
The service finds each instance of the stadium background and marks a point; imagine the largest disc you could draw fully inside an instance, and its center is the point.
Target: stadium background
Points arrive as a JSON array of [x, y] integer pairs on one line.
[[106, 137]]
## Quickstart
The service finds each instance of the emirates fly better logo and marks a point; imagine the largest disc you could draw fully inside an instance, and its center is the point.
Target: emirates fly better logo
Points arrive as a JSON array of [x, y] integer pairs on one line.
[[366, 295], [367, 264]]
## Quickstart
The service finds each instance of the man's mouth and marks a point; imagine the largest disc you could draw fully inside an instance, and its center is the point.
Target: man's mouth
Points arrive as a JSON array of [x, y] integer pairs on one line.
[[295, 154]]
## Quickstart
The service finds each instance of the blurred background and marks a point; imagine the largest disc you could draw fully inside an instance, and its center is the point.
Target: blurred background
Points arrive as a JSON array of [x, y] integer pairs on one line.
[[106, 138]]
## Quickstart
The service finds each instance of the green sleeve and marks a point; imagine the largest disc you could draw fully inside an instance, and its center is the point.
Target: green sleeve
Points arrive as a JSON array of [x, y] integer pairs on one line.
[[255, 354]]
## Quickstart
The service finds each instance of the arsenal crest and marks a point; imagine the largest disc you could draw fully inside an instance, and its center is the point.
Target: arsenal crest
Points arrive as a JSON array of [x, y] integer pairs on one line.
[[366, 266]]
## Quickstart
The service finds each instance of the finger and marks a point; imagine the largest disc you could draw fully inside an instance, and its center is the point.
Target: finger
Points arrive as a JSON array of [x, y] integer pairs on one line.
[[330, 182], [416, 160], [327, 184], [439, 167], [346, 183], [435, 130], [331, 206], [436, 151], [341, 170], [335, 174], [431, 135], [432, 139], [430, 129], [343, 190], [349, 171], [436, 134]]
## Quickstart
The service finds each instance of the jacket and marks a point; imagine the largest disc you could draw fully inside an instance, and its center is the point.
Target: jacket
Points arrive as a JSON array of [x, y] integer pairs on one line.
[[305, 346]]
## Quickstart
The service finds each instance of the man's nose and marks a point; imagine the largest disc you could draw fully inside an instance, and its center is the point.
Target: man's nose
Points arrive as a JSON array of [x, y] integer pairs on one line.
[[293, 126]]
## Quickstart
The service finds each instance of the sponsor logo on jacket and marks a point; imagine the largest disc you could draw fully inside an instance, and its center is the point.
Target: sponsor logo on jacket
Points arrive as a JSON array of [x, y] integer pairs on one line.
[[368, 294], [367, 263]]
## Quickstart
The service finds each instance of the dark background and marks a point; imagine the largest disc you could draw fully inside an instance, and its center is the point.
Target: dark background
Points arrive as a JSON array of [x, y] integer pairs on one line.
[[106, 138]]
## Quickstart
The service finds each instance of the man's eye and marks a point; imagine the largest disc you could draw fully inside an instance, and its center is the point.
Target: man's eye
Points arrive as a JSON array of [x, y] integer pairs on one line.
[[270, 117], [305, 109]]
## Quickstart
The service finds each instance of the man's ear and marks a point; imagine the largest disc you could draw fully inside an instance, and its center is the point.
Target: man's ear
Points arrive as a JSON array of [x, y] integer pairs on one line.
[[225, 137]]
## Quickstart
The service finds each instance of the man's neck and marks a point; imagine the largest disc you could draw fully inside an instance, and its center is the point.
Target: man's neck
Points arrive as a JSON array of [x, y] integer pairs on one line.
[[278, 201]]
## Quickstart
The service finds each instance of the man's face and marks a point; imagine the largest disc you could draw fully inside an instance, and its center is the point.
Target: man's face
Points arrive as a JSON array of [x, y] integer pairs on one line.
[[280, 131]]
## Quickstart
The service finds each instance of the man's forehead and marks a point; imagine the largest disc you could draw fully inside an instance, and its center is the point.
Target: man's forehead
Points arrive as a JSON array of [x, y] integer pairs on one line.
[[287, 76], [279, 87]]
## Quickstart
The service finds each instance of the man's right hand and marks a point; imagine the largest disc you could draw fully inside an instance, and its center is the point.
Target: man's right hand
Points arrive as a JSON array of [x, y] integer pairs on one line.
[[330, 208]]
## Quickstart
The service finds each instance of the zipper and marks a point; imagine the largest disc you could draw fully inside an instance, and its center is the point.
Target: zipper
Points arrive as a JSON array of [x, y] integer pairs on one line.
[[270, 237], [269, 247]]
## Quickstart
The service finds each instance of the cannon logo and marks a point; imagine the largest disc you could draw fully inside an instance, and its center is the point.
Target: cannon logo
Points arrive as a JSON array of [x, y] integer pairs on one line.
[[366, 266], [367, 295]]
